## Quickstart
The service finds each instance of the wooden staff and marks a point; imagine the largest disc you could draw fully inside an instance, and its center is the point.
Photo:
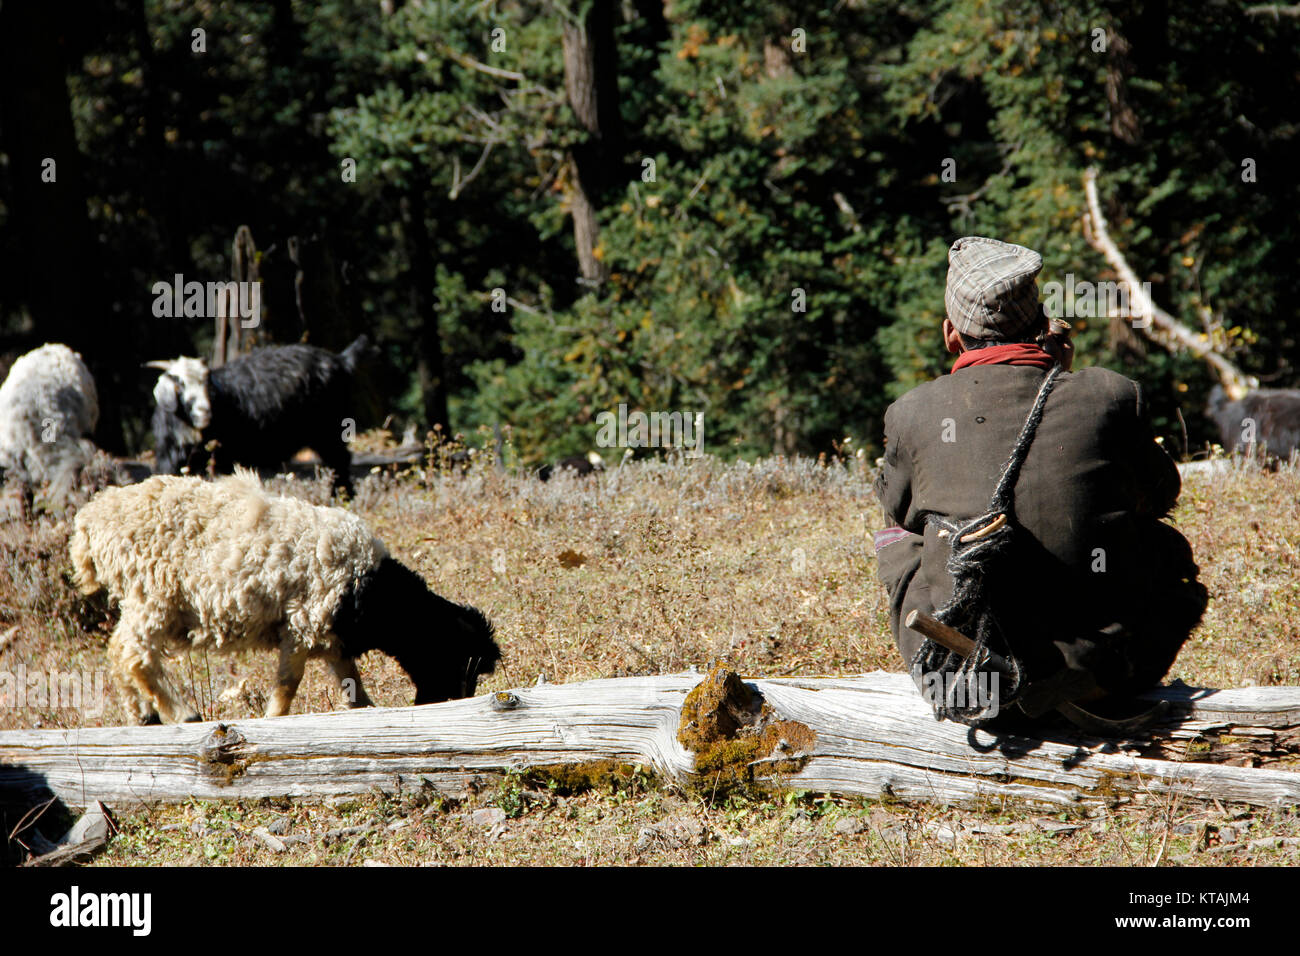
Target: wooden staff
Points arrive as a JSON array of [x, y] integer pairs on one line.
[[953, 639]]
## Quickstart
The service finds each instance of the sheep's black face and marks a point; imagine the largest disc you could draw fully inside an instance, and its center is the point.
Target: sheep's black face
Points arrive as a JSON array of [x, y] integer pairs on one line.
[[467, 650], [442, 646]]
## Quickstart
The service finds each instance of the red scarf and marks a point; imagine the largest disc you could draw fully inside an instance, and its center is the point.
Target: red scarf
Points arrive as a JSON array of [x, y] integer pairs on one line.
[[1012, 353]]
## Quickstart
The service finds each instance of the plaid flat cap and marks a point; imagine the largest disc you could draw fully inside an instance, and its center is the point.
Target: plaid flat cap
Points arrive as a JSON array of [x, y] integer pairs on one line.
[[991, 292]]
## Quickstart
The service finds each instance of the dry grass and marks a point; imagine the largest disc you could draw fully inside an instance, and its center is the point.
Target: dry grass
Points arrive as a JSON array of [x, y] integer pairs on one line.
[[658, 827], [651, 568]]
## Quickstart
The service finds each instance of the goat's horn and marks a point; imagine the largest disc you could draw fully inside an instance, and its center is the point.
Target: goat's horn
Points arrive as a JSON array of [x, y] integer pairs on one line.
[[163, 364]]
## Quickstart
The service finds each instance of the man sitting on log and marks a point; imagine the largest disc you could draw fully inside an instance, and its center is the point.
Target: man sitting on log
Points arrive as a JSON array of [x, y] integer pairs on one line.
[[1028, 556]]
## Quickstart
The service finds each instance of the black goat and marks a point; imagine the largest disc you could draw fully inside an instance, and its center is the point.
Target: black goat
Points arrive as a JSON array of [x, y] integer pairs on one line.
[[260, 409], [1266, 417], [580, 465]]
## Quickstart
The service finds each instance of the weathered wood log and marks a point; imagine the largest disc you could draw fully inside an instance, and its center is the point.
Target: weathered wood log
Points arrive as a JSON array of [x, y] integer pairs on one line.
[[123, 471], [129, 471], [871, 736], [87, 837], [407, 455]]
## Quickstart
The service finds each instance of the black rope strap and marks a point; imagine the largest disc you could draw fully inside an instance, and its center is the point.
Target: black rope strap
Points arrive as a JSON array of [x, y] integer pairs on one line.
[[976, 545]]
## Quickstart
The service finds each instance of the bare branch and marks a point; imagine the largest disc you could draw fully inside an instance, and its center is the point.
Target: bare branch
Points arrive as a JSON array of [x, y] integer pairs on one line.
[[472, 64], [1160, 326], [1277, 10], [482, 117], [963, 203], [457, 183], [849, 214], [516, 304]]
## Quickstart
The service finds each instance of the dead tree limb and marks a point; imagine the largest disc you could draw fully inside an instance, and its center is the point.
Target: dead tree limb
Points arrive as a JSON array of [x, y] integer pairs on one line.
[[228, 339], [1275, 10], [472, 64], [1154, 322], [869, 736]]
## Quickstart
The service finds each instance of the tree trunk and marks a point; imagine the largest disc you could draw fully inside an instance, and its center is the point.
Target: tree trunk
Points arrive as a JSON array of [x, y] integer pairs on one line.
[[591, 83], [656, 23], [1124, 122], [57, 271], [429, 363], [156, 186], [871, 736]]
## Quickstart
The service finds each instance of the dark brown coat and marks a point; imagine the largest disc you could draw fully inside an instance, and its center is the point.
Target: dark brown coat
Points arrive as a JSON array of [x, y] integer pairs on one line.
[[1092, 550]]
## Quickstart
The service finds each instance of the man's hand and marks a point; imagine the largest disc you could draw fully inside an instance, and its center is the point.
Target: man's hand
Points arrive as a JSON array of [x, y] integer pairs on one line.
[[1056, 342]]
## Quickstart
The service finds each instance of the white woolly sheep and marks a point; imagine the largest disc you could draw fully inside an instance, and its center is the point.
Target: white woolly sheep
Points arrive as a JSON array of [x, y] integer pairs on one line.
[[48, 405], [228, 566]]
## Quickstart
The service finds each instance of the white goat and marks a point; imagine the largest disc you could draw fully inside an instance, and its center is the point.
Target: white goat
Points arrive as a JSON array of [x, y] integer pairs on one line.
[[48, 405]]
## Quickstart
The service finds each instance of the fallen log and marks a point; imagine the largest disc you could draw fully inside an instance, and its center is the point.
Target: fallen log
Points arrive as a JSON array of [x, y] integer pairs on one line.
[[87, 837], [124, 471], [871, 736], [408, 454]]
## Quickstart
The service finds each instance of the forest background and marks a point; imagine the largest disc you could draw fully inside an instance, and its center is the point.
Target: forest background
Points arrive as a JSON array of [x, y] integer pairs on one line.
[[541, 210]]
